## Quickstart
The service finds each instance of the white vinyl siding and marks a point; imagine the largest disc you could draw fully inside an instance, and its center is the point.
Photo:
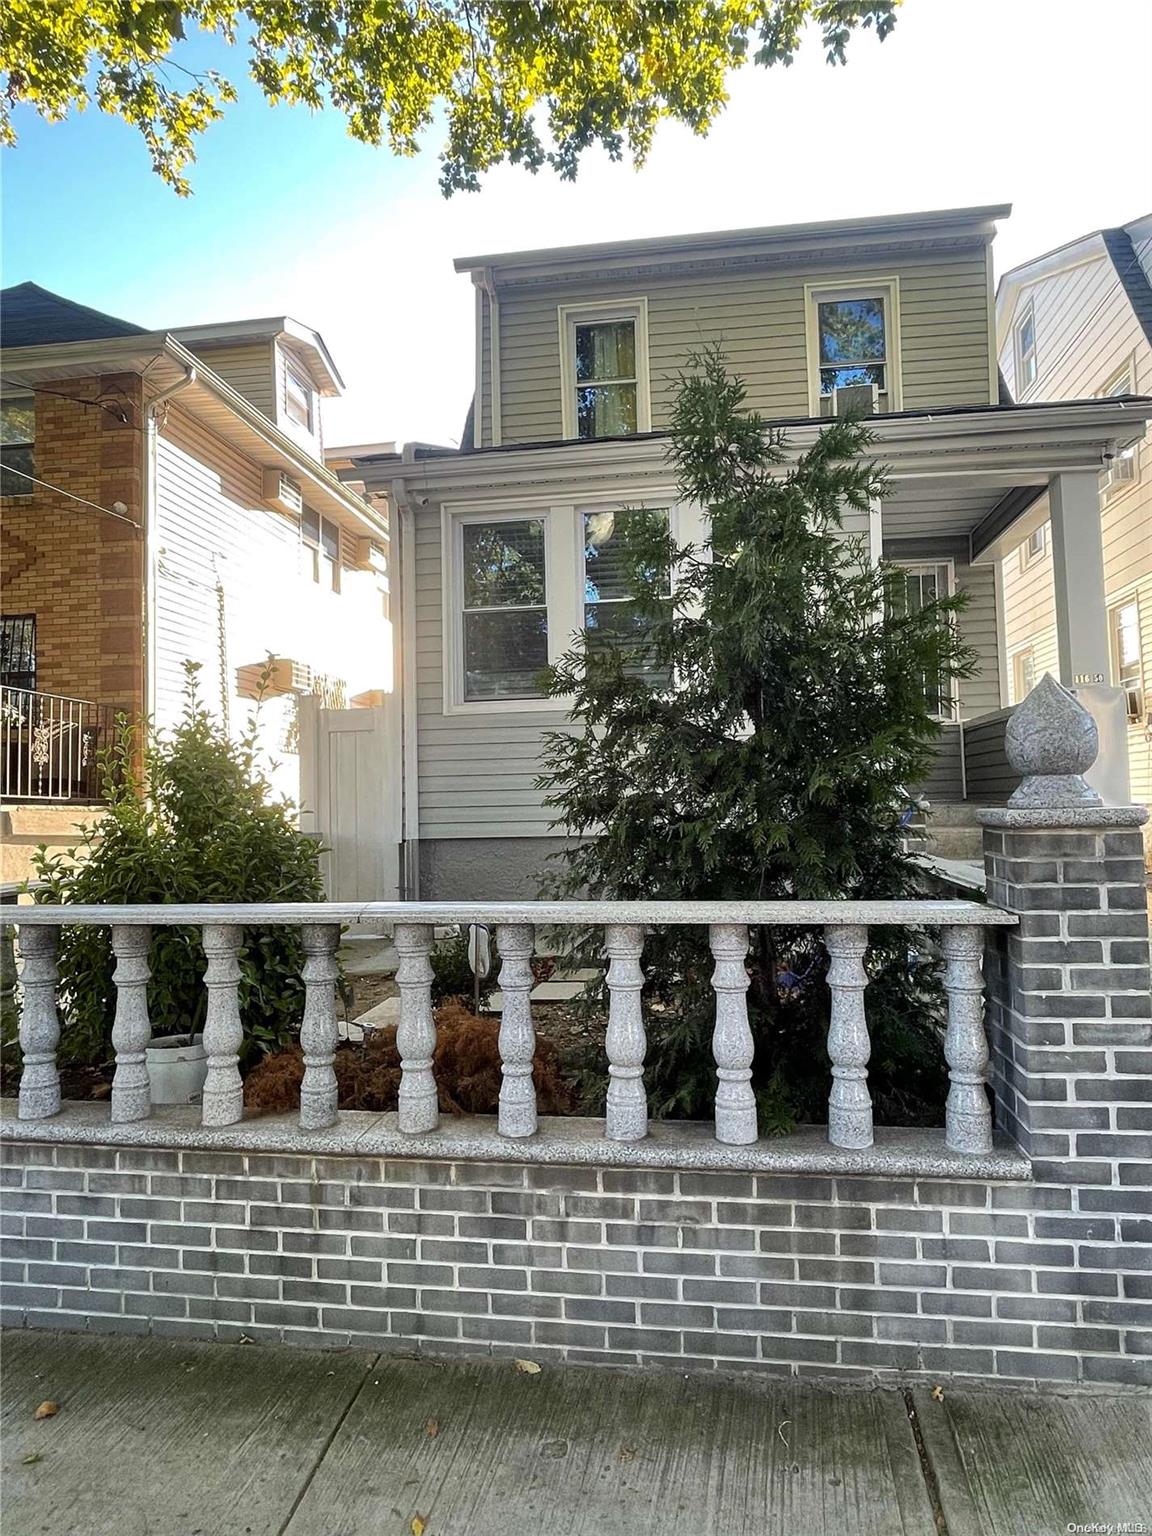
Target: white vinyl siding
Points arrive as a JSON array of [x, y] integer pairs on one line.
[[759, 319], [1089, 334]]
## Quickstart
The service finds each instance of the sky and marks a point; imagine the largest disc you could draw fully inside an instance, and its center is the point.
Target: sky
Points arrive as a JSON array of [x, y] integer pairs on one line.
[[1040, 103]]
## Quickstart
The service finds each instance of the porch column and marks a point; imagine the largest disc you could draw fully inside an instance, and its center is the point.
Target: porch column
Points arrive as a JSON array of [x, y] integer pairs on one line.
[[1078, 579], [1082, 639]]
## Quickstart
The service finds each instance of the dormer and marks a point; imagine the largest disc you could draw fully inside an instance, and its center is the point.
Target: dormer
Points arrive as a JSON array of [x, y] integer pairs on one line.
[[873, 316], [278, 365]]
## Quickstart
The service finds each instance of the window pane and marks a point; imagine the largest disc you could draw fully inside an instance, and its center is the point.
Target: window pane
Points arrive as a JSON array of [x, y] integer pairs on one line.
[[606, 410], [1127, 627], [620, 624], [14, 458], [504, 653], [298, 399], [310, 526], [1027, 333], [852, 331], [847, 378], [606, 351], [17, 421], [504, 564], [604, 572], [18, 650], [329, 538]]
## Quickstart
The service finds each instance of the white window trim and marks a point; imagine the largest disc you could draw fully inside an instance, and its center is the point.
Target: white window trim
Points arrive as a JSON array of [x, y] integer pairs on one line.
[[1027, 309], [951, 712], [1114, 485], [294, 372], [1026, 648], [1129, 598], [886, 288], [1030, 558], [569, 316], [563, 577]]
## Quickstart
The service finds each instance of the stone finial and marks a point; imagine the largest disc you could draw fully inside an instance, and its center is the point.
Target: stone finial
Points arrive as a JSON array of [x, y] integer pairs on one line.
[[1052, 740]]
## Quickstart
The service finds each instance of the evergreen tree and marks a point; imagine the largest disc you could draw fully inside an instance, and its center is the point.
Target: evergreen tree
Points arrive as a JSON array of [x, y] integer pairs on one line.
[[752, 736]]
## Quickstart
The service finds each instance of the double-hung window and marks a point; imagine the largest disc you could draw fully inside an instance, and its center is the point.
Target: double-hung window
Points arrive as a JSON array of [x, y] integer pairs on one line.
[[1127, 658], [1023, 674], [299, 399], [604, 363], [1024, 341], [1034, 546], [853, 349], [611, 612], [920, 586], [17, 447], [321, 539], [503, 590]]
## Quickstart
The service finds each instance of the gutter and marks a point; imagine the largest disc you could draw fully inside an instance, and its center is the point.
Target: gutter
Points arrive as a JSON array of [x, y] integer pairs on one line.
[[151, 551], [409, 774]]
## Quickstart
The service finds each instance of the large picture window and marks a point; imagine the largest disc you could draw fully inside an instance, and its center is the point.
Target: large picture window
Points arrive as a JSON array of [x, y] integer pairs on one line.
[[504, 608]]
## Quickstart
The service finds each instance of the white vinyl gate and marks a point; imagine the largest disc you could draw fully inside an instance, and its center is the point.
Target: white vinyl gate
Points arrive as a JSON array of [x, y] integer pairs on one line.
[[350, 797]]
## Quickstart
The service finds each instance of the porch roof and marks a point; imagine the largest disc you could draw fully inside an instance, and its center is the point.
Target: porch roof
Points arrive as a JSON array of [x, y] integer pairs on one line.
[[980, 472]]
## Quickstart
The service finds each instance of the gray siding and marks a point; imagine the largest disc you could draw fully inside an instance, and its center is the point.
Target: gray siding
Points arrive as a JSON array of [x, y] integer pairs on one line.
[[990, 776], [759, 319], [476, 771], [981, 692], [250, 369], [944, 781]]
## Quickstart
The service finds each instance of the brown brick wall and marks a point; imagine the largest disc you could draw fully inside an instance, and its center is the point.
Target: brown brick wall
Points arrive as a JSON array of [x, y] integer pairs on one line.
[[80, 573]]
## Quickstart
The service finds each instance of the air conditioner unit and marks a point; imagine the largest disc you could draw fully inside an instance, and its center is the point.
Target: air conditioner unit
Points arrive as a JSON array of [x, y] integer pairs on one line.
[[370, 556], [856, 400], [1120, 470], [282, 492], [1134, 702], [288, 676]]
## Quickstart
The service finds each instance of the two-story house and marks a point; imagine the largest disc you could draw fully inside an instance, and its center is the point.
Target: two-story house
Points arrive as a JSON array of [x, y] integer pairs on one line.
[[577, 350], [165, 499], [1073, 323]]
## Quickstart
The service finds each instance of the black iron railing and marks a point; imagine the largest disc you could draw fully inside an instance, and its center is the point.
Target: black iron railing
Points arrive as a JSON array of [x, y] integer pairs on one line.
[[50, 746]]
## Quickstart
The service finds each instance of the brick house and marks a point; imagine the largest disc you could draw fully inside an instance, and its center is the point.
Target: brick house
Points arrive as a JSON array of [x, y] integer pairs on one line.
[[165, 499]]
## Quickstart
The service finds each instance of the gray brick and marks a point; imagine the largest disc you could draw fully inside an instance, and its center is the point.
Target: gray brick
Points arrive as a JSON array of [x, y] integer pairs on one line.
[[961, 1362], [1032, 1364], [725, 1345], [560, 1180], [561, 1281], [649, 1287], [1053, 1255], [505, 1330], [528, 1255], [816, 1351], [837, 1271], [877, 1245], [921, 1275], [580, 1335], [719, 1239], [801, 1186], [365, 1247], [419, 1274], [1020, 1335], [486, 1277], [566, 1231], [816, 1243], [525, 1203], [618, 1260], [725, 1186], [507, 1228], [857, 1325], [596, 1309], [1125, 1371], [805, 1297], [909, 1221], [638, 1181], [733, 1293], [1075, 1283], [454, 1301], [1036, 1309], [451, 1251], [528, 1306]]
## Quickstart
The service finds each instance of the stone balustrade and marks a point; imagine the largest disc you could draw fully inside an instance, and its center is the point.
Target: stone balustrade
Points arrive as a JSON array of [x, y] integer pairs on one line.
[[844, 924]]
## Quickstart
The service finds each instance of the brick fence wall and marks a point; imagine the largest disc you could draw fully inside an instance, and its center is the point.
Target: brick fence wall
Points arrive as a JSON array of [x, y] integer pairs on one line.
[[785, 1273]]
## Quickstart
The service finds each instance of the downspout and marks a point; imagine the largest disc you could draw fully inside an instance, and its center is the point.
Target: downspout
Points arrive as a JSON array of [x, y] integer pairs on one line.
[[488, 285], [410, 783], [151, 554]]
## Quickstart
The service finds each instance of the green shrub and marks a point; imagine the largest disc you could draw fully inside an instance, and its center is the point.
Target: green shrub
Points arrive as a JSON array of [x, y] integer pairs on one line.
[[202, 825]]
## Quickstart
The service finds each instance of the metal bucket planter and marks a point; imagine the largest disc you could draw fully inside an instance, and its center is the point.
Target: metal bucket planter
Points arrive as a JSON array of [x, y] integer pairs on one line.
[[177, 1067]]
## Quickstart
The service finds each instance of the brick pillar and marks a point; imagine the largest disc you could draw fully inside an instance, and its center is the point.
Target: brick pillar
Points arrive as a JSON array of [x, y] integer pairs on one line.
[[1070, 1009]]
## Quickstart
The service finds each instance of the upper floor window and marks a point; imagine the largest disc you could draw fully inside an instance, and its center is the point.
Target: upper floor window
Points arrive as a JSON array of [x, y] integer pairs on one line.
[[299, 399], [321, 539], [853, 350], [604, 361], [1034, 546], [610, 610], [1127, 655], [1025, 344], [1124, 468], [17, 446], [504, 607]]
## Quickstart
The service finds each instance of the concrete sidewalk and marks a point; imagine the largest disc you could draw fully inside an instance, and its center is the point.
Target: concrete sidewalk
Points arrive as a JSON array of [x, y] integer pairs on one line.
[[158, 1438]]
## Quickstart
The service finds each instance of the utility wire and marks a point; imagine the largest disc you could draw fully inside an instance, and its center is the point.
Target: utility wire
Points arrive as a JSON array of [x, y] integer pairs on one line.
[[10, 469]]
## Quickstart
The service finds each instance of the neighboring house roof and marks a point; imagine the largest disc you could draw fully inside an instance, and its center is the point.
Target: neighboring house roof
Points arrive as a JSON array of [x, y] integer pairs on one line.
[[300, 338], [938, 229], [31, 316], [1133, 278], [1115, 243], [34, 316]]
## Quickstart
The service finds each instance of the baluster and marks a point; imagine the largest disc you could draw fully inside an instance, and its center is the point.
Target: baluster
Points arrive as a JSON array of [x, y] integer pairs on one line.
[[39, 1025], [849, 1103], [318, 1030], [223, 1032], [131, 1028], [627, 1112], [418, 1106], [967, 1118], [732, 1044], [517, 1035]]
